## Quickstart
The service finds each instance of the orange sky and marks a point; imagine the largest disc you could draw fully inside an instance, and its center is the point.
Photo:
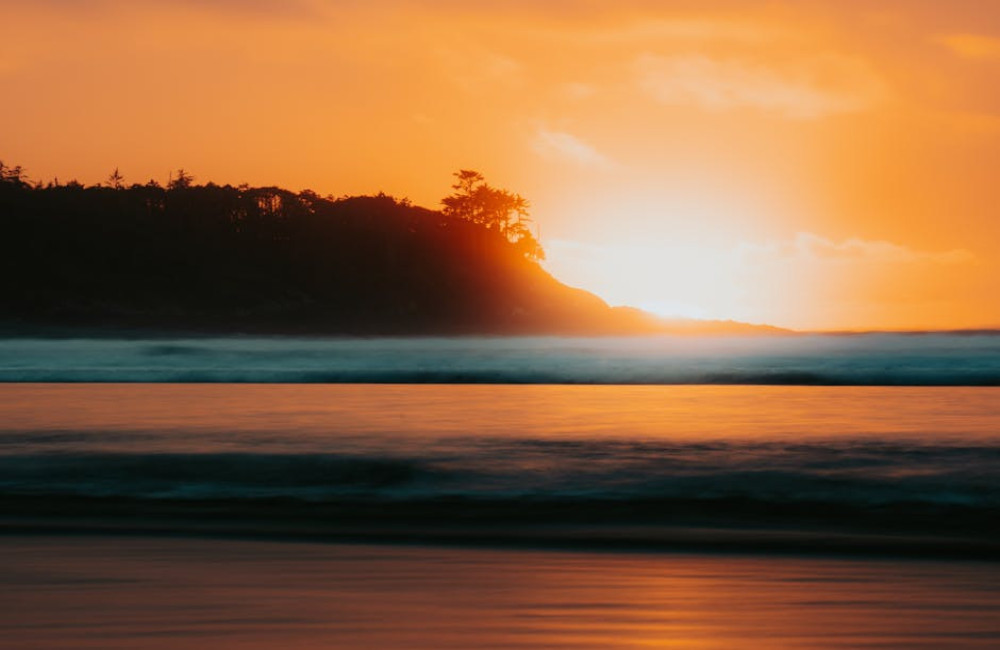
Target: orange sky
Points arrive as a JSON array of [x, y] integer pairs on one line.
[[811, 164]]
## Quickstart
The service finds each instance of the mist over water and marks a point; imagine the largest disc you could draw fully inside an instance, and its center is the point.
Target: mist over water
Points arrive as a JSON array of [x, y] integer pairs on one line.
[[871, 359]]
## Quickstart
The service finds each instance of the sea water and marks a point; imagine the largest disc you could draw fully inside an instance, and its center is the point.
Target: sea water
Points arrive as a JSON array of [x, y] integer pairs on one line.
[[915, 460], [752, 513], [870, 359]]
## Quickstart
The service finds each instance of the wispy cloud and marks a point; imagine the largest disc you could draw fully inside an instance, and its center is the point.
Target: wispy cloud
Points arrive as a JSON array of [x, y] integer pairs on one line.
[[971, 46], [578, 90], [475, 68], [242, 9], [806, 246], [971, 123], [681, 30], [805, 89], [565, 146]]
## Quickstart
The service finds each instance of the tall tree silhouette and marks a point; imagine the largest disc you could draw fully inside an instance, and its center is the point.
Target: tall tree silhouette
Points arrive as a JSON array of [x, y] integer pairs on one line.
[[183, 180], [497, 209], [116, 180], [12, 175]]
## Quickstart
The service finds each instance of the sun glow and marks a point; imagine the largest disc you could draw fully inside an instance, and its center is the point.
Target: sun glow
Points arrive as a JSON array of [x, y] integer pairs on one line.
[[812, 165], [676, 280], [680, 259]]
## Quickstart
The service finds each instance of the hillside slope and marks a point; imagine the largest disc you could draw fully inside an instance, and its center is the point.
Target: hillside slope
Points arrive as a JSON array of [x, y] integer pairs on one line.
[[264, 260]]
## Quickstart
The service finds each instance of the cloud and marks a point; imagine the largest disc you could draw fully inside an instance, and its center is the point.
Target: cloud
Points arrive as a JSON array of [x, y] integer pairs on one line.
[[976, 123], [9, 65], [272, 9], [577, 90], [565, 146], [804, 89], [967, 123], [473, 67], [679, 30], [806, 246], [971, 46]]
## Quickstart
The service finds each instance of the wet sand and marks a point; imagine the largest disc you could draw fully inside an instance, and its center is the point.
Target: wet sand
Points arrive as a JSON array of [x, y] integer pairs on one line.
[[147, 592]]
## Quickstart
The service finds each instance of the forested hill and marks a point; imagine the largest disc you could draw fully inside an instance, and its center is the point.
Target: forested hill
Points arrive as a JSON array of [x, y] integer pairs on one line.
[[226, 259]]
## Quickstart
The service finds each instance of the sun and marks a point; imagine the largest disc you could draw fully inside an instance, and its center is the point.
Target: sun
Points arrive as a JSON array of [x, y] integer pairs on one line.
[[685, 263]]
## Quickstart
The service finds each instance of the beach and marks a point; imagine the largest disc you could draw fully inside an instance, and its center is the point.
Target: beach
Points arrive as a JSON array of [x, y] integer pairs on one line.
[[141, 592]]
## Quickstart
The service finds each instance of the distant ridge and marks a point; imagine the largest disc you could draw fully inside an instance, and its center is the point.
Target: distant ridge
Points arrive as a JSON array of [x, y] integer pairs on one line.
[[701, 326], [971, 331], [222, 259]]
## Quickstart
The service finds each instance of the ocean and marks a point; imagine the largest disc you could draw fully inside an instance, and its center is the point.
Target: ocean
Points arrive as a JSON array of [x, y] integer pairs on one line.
[[926, 359], [877, 454]]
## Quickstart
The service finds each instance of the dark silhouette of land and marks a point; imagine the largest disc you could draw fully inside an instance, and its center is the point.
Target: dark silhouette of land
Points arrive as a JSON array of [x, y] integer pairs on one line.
[[223, 259]]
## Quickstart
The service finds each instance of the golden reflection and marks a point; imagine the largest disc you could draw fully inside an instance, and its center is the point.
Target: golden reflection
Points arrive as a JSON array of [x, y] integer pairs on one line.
[[125, 593], [418, 412]]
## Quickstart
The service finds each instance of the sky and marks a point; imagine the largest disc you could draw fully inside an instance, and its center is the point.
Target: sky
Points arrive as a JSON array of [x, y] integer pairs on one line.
[[816, 164]]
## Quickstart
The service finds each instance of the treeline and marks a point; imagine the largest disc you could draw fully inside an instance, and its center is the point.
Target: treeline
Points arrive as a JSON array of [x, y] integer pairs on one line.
[[264, 259]]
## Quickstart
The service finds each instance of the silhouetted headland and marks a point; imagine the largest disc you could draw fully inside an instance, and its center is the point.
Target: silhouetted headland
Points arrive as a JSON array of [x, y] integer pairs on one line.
[[223, 259]]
